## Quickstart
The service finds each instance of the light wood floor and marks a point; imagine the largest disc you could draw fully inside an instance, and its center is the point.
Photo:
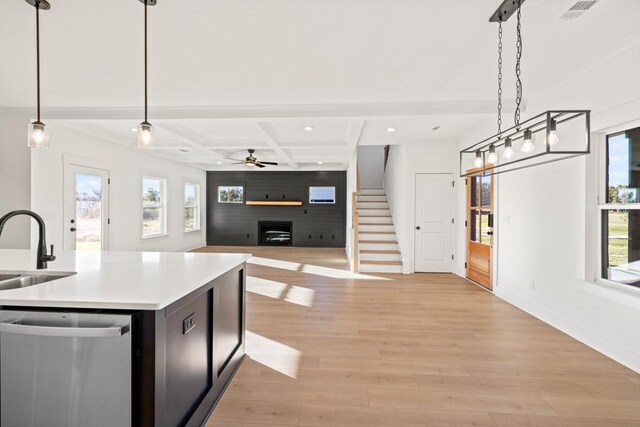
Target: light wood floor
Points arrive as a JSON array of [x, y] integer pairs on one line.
[[399, 350]]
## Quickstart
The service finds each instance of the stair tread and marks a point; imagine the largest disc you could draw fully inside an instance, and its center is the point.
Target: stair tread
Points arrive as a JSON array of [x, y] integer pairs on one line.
[[377, 232], [381, 262], [376, 223], [374, 216], [385, 242], [372, 201], [380, 251]]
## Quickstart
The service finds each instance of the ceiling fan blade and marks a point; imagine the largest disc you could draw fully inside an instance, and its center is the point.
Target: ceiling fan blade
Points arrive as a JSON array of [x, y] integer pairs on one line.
[[269, 163], [260, 165]]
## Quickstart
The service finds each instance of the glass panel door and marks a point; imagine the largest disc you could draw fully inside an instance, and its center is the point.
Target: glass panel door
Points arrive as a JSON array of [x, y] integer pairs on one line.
[[479, 229], [86, 208]]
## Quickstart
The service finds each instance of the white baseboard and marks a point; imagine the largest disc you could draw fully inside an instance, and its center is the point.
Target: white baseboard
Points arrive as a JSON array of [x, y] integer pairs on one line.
[[192, 248], [604, 345]]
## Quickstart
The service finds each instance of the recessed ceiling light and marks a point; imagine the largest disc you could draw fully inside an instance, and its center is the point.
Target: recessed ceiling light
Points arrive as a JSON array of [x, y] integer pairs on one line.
[[219, 163], [435, 128], [320, 163], [391, 129], [308, 128], [134, 129]]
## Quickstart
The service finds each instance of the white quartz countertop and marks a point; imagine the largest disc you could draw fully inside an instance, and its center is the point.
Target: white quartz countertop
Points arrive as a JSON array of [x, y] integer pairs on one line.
[[115, 280]]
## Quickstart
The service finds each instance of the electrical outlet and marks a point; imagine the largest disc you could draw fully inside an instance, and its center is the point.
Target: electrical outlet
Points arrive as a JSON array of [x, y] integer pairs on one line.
[[189, 323]]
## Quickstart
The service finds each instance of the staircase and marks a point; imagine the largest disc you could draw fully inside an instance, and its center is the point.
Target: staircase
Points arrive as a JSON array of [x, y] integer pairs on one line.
[[378, 248]]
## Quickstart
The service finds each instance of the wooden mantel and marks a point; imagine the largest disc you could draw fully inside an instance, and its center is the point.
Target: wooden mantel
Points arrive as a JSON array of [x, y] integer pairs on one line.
[[274, 203]]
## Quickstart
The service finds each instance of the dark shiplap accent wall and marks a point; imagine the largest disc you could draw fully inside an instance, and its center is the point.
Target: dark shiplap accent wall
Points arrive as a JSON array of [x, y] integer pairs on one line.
[[313, 225]]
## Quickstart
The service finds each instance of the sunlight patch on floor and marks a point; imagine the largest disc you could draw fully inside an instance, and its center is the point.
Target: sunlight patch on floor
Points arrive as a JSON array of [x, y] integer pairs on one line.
[[273, 354], [274, 263], [264, 287], [301, 296]]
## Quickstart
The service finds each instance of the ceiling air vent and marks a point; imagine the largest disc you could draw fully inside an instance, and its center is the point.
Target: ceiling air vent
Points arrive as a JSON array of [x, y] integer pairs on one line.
[[577, 9]]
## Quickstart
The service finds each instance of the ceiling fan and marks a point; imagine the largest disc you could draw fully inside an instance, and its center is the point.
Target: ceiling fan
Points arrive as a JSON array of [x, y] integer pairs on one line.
[[252, 161]]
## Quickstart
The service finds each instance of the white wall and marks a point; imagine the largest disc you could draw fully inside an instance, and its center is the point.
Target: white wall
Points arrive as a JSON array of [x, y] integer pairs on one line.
[[405, 161], [545, 230], [371, 166], [15, 179], [352, 187], [126, 166]]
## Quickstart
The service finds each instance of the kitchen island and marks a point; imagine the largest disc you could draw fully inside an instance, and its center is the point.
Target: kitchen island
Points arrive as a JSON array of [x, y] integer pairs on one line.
[[118, 338]]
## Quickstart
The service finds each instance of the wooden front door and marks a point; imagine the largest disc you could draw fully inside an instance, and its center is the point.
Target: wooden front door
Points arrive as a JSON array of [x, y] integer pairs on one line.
[[480, 229]]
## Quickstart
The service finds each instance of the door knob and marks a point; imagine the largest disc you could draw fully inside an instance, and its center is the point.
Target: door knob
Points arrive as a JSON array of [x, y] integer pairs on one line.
[[418, 228], [72, 229]]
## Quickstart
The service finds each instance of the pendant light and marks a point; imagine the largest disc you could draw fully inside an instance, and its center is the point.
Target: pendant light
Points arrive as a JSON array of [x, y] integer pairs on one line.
[[38, 135], [146, 136], [527, 142], [552, 139], [482, 154], [508, 149]]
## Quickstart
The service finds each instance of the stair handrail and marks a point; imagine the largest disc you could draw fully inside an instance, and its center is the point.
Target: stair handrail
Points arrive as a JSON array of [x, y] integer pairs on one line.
[[355, 226]]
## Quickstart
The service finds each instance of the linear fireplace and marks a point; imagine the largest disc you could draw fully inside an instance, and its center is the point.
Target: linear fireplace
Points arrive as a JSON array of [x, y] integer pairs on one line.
[[275, 233]]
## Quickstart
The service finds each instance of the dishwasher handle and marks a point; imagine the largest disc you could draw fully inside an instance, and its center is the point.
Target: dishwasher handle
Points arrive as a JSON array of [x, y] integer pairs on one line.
[[62, 331]]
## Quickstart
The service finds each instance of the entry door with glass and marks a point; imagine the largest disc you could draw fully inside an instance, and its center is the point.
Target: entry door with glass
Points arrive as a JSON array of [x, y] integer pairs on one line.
[[480, 229], [86, 210]]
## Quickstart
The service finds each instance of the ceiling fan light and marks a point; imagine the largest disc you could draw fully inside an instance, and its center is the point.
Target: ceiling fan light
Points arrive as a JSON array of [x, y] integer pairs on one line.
[[38, 135], [146, 136]]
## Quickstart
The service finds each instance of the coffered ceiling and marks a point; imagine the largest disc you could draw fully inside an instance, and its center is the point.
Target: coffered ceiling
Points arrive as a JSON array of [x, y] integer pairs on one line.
[[228, 75]]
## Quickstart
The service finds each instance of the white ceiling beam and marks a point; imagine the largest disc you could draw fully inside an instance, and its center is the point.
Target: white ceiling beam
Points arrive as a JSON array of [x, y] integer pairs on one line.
[[258, 112], [272, 140], [187, 136]]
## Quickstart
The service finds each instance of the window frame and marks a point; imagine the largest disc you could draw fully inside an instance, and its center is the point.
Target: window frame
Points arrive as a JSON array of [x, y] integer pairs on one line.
[[196, 207], [163, 206], [603, 206]]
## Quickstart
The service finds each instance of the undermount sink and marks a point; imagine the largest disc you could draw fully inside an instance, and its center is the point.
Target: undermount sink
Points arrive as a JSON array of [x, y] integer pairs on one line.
[[23, 280]]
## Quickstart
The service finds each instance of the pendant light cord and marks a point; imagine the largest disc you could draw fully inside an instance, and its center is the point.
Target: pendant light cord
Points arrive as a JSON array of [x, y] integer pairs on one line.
[[145, 60], [499, 76], [38, 60], [516, 117]]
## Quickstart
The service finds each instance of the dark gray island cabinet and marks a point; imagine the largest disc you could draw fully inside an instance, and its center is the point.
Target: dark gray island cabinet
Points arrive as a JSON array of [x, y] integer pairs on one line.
[[138, 361], [186, 354]]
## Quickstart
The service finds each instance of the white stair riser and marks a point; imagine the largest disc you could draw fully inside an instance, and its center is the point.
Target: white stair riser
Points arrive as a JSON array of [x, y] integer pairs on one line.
[[378, 205], [374, 268], [372, 192], [375, 220], [376, 236], [372, 198], [376, 227], [380, 257], [378, 212], [378, 246]]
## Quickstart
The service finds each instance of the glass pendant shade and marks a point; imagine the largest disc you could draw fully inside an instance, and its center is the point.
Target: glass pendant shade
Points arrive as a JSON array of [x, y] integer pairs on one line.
[[508, 149], [527, 142], [478, 161], [146, 136], [492, 158], [553, 134], [38, 135]]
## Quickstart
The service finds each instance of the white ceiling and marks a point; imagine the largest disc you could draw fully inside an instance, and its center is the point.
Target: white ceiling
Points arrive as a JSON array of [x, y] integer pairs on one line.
[[227, 75]]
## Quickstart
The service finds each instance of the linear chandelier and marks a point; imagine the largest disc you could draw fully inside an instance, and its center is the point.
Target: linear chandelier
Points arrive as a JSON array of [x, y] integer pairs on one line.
[[565, 133]]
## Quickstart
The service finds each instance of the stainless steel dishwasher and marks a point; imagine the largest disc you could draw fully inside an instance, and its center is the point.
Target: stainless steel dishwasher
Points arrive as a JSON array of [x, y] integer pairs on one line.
[[64, 369]]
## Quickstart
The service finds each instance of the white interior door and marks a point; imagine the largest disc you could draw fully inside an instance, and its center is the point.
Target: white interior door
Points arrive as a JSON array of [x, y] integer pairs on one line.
[[434, 223], [86, 208]]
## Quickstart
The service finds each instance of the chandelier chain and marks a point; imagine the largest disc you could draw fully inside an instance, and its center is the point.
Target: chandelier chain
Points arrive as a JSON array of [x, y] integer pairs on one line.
[[500, 76], [518, 71]]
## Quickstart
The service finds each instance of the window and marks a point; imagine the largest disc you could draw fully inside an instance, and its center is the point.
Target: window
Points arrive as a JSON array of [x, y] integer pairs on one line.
[[154, 208], [191, 207], [620, 221], [230, 194], [322, 195]]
